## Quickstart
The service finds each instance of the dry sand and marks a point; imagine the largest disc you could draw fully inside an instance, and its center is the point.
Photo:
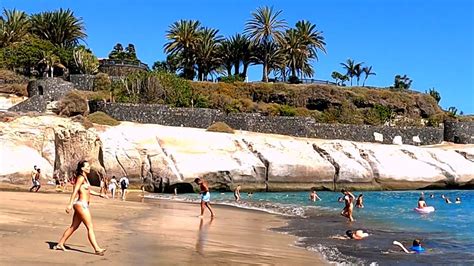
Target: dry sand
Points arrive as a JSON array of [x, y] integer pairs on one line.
[[144, 232]]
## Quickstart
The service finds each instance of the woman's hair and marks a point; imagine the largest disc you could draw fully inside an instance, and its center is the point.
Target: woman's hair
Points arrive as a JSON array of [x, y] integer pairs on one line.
[[349, 233], [416, 243], [421, 199], [197, 180], [80, 164]]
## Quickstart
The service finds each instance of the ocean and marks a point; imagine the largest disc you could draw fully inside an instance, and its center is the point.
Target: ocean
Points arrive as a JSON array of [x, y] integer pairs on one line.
[[387, 216]]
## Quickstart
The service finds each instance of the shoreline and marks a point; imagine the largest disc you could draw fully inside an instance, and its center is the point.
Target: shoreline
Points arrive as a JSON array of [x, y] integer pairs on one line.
[[144, 231]]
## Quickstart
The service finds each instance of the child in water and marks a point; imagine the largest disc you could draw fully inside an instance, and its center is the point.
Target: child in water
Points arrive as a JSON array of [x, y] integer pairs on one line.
[[415, 248]]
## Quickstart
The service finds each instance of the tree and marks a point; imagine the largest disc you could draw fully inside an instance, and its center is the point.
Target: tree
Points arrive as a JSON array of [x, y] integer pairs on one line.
[[183, 37], [130, 53], [358, 72], [367, 71], [402, 82], [85, 60], [117, 52], [60, 27], [170, 65], [339, 78], [51, 60], [351, 68], [274, 56], [434, 94], [24, 56], [14, 26], [206, 52], [264, 29]]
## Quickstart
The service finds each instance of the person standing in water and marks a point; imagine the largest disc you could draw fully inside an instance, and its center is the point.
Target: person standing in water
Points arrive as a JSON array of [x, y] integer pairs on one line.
[[205, 196], [79, 201], [360, 201], [237, 193], [349, 204], [313, 196]]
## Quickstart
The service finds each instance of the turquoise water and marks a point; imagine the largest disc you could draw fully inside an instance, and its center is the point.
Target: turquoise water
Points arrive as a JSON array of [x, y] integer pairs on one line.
[[387, 215]]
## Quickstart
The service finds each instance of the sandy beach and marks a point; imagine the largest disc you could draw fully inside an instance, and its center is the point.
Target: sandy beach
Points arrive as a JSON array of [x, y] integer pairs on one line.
[[142, 232]]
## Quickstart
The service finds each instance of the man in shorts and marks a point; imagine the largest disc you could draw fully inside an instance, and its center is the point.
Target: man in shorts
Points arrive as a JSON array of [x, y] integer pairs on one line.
[[205, 196]]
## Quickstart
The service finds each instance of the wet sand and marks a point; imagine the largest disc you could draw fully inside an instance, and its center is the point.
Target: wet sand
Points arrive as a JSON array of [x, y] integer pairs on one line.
[[142, 232]]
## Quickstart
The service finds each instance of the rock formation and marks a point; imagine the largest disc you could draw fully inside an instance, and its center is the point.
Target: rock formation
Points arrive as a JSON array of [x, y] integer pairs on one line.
[[163, 158]]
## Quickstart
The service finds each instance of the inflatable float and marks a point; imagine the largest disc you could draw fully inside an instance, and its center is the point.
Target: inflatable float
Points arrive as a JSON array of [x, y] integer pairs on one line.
[[425, 210]]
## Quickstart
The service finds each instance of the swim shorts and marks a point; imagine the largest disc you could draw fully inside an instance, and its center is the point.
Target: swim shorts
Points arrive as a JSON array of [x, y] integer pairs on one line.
[[206, 197]]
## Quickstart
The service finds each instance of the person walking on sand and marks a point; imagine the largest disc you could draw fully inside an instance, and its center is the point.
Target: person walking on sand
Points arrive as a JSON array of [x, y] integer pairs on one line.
[[313, 196], [79, 201], [124, 183], [360, 201], [36, 180], [237, 193], [205, 196], [349, 204], [113, 186]]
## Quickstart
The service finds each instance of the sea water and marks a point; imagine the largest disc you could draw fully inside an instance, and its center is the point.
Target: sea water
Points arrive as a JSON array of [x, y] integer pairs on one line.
[[387, 216]]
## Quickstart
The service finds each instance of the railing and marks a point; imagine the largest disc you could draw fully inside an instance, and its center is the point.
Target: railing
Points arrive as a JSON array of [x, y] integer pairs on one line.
[[119, 62], [306, 81]]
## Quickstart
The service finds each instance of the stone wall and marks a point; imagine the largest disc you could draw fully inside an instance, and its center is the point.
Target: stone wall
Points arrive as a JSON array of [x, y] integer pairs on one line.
[[36, 103], [53, 88], [83, 81], [293, 126], [41, 92], [459, 132]]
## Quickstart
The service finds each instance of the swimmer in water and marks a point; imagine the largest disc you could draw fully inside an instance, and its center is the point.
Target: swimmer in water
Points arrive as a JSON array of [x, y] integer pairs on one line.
[[447, 200], [360, 201], [458, 201], [356, 235], [415, 248], [313, 196]]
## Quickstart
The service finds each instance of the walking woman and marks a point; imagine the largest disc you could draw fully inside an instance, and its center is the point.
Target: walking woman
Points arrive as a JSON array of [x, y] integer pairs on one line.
[[80, 202]]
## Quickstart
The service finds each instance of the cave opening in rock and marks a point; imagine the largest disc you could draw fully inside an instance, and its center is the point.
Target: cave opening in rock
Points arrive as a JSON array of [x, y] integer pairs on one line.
[[182, 188]]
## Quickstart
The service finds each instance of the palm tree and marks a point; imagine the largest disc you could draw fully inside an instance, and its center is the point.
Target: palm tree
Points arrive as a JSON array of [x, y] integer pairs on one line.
[[206, 52], [183, 37], [264, 29], [14, 25], [51, 60], [241, 50], [59, 27], [226, 56], [358, 72], [367, 71], [274, 56], [351, 67]]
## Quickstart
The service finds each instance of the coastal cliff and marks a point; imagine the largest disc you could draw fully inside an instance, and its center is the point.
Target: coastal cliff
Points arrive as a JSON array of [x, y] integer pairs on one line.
[[162, 157]]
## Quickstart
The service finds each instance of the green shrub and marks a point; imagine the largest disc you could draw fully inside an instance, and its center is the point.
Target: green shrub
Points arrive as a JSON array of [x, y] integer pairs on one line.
[[200, 101], [384, 112], [270, 109], [286, 110], [301, 111], [72, 104], [232, 79], [220, 127], [435, 120], [102, 82], [102, 119], [294, 80]]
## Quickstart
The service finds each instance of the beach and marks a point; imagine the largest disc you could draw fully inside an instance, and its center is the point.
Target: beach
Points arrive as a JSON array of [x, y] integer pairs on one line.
[[142, 232]]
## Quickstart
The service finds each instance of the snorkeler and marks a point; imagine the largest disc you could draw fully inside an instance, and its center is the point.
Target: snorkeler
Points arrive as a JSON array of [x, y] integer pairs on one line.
[[415, 248]]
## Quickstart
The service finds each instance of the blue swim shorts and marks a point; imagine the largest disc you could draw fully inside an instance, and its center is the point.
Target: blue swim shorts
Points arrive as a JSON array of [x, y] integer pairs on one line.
[[206, 197]]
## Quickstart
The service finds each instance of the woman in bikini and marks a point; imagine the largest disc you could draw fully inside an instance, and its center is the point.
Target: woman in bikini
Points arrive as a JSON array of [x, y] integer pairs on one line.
[[80, 202]]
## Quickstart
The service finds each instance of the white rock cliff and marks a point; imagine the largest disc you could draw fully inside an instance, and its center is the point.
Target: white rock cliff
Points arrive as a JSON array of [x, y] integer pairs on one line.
[[162, 157]]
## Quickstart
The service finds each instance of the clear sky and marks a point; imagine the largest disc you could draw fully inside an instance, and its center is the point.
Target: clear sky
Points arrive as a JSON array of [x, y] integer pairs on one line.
[[431, 41]]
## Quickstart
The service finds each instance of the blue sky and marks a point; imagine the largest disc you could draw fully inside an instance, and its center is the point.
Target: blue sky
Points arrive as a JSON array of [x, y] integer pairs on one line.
[[431, 41]]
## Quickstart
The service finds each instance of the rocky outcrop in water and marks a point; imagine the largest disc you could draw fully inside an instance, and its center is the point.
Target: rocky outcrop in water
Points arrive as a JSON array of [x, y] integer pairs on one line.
[[163, 157]]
